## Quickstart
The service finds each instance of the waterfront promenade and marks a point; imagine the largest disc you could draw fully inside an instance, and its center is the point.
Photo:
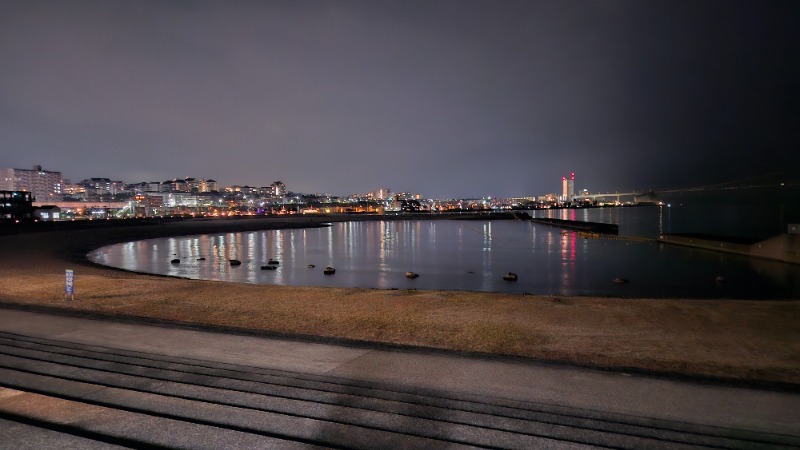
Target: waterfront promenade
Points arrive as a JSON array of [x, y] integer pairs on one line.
[[86, 383]]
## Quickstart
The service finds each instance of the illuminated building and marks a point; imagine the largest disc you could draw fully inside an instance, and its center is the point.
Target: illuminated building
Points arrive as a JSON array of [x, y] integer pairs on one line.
[[278, 189], [208, 186], [192, 185], [568, 188], [94, 187], [571, 187], [45, 185], [16, 205], [47, 213]]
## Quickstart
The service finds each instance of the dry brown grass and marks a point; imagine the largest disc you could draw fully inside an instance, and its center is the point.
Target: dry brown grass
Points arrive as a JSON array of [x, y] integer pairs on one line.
[[757, 340]]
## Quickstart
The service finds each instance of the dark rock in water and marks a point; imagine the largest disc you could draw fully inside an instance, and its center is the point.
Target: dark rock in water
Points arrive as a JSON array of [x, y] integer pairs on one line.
[[268, 267], [510, 276], [620, 280], [329, 270], [235, 262], [201, 259], [176, 261], [411, 275], [720, 279], [273, 262]]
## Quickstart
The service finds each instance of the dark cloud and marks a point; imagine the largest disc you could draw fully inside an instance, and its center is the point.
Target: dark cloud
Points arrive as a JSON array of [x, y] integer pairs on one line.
[[442, 98]]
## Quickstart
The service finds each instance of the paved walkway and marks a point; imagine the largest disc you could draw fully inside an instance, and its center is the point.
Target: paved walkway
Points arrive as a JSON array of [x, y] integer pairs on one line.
[[93, 383]]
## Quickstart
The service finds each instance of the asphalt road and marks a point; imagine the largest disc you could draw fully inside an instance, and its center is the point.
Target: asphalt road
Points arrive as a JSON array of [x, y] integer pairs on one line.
[[70, 382]]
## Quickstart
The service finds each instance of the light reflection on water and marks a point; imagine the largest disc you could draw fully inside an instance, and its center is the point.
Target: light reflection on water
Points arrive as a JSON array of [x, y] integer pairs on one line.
[[460, 255]]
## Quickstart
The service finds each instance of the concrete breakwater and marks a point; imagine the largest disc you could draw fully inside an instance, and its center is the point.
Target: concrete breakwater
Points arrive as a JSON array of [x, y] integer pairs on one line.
[[784, 248], [594, 227]]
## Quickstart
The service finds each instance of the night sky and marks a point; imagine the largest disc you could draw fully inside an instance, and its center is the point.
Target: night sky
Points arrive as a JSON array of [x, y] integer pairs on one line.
[[442, 98]]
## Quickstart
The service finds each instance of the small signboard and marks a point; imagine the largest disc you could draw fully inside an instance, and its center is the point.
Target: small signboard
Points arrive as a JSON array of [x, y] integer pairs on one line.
[[69, 284]]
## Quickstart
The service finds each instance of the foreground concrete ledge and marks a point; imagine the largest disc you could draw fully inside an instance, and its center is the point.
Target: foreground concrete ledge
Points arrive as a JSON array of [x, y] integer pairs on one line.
[[420, 372], [388, 346]]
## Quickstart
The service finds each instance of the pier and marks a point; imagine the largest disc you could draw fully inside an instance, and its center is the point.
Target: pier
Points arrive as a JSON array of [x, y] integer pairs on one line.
[[591, 227]]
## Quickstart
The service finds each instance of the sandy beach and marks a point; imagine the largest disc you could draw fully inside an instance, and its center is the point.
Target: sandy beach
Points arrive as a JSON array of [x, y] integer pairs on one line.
[[732, 340]]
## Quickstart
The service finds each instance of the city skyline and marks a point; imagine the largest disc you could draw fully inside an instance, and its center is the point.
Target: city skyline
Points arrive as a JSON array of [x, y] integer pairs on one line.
[[567, 188], [449, 99], [53, 181]]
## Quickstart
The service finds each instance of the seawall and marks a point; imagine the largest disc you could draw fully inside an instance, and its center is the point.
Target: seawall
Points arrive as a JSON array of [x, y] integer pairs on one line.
[[784, 248]]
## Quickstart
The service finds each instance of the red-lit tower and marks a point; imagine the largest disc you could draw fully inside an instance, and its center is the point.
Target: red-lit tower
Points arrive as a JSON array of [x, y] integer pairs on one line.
[[571, 187]]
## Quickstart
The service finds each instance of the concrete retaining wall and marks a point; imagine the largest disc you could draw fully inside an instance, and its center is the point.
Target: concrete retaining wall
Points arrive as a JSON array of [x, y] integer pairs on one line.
[[784, 248]]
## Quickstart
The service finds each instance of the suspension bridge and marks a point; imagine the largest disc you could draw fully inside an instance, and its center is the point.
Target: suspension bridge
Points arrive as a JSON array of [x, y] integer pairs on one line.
[[653, 195]]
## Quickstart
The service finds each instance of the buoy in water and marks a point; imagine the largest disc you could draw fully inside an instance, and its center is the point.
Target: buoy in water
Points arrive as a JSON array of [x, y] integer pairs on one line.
[[720, 279], [329, 270], [620, 280], [311, 266], [411, 275], [510, 276]]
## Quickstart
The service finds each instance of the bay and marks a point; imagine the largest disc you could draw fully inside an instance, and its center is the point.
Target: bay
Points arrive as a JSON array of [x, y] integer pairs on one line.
[[470, 256]]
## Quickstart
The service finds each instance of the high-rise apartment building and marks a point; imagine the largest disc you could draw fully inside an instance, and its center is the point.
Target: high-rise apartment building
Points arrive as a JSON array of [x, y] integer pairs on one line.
[[571, 187], [192, 185], [278, 189], [208, 186], [382, 194], [102, 186], [45, 185], [568, 188]]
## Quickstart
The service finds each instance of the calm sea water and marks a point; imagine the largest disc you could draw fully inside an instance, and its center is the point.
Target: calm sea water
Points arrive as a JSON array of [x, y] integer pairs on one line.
[[472, 256]]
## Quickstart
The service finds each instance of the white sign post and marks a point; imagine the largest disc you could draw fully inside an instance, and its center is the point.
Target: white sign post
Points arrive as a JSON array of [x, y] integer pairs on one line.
[[69, 284]]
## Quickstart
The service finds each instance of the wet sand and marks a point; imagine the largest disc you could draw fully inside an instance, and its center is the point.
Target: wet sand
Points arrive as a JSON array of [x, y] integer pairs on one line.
[[734, 340]]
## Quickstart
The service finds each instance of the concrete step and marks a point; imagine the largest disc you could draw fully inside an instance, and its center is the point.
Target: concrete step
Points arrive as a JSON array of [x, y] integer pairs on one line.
[[21, 432], [41, 421], [339, 412]]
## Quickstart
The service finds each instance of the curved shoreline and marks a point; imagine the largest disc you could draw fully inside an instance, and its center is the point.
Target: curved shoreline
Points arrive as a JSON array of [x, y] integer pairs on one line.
[[736, 341]]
